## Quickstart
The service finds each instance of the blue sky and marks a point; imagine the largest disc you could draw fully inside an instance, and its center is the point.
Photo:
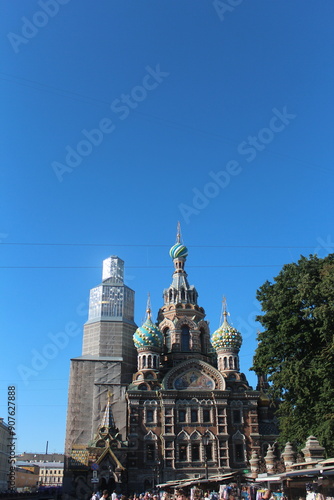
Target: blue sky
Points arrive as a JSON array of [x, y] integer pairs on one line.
[[121, 118]]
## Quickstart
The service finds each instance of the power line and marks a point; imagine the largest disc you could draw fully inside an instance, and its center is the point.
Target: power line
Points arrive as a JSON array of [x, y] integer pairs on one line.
[[139, 267], [142, 245]]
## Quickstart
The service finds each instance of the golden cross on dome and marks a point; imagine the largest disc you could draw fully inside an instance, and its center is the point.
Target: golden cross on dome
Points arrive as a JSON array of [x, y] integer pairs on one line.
[[148, 306], [224, 306], [224, 312]]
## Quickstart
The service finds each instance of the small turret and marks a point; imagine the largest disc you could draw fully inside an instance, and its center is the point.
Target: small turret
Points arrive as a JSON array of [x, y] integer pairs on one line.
[[148, 340], [227, 342], [148, 335], [289, 456], [179, 292]]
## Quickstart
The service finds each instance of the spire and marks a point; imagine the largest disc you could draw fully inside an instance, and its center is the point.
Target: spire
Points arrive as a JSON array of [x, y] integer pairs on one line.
[[179, 291], [107, 421], [178, 233], [148, 306], [224, 307], [178, 252], [224, 313]]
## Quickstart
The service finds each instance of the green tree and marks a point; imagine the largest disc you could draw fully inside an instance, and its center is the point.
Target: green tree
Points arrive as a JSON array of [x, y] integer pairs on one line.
[[296, 349]]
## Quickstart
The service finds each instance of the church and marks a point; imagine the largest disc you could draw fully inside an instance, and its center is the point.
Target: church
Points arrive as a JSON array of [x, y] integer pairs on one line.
[[162, 402]]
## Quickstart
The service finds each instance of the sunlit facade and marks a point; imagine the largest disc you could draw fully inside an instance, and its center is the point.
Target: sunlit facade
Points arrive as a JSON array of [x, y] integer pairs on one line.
[[178, 406]]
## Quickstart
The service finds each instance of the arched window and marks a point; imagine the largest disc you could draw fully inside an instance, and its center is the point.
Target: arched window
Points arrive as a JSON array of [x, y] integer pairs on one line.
[[185, 338], [183, 452], [149, 361], [195, 452], [239, 452], [225, 363], [238, 441], [149, 416], [154, 361], [144, 361]]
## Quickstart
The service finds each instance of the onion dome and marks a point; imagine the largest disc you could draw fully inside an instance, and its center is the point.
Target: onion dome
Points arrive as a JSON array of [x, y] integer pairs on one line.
[[178, 250], [226, 337], [148, 335], [263, 400]]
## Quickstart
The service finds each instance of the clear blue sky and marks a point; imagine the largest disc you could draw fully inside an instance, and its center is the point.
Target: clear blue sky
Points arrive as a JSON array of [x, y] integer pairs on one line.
[[217, 115]]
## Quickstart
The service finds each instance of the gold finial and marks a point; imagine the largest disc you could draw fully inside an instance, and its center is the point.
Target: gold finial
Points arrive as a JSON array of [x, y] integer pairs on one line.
[[109, 396], [148, 306], [224, 312], [224, 306], [178, 233]]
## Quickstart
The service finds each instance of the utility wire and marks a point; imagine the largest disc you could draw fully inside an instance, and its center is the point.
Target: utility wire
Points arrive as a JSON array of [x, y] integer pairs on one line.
[[140, 267], [150, 245]]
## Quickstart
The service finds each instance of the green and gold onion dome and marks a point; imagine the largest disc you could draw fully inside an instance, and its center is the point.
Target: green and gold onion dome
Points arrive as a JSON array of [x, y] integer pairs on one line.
[[148, 335], [226, 337], [178, 250]]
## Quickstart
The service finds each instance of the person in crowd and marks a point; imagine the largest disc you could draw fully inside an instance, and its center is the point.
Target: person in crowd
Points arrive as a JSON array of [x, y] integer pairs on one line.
[[181, 495]]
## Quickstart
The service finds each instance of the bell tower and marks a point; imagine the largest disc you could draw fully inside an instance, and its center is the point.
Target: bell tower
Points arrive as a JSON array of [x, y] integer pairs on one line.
[[107, 362], [181, 321]]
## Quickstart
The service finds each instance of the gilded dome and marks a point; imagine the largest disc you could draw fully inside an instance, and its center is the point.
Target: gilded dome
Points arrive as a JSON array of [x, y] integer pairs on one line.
[[226, 337]]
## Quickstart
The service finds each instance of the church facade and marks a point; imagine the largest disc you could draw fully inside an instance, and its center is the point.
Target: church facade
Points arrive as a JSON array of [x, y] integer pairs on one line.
[[163, 402]]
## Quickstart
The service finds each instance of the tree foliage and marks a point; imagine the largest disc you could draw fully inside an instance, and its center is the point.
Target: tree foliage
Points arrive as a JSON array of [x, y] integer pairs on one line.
[[296, 349]]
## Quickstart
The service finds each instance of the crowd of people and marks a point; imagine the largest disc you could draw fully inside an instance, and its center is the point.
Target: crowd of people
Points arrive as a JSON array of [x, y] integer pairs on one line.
[[161, 495]]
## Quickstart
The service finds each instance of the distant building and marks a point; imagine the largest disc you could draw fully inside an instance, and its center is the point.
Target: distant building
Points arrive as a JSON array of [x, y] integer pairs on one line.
[[48, 473], [4, 455], [26, 476], [50, 466], [177, 407]]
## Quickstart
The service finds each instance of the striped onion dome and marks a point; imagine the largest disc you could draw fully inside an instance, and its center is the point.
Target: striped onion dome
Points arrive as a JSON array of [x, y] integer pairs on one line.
[[178, 250]]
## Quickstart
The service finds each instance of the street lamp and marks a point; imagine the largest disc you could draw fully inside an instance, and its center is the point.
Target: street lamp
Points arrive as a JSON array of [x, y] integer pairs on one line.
[[205, 441], [156, 473]]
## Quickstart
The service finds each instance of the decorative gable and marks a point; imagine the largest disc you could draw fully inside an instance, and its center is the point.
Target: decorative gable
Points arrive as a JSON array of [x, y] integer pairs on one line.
[[194, 375]]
